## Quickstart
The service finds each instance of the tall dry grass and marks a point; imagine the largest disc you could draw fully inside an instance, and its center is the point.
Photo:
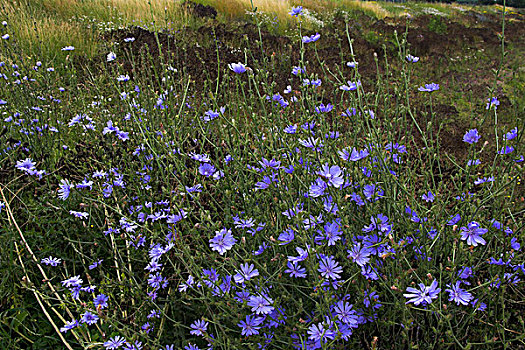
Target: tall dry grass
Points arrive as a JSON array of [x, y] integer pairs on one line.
[[281, 8], [371, 8], [44, 35], [43, 27], [238, 8], [126, 10], [48, 25]]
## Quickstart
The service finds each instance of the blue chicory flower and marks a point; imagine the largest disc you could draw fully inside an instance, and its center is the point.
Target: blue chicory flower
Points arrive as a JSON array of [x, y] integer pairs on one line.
[[412, 59], [312, 38], [458, 294], [472, 234], [111, 57], [429, 87], [424, 295], [223, 241], [493, 102], [296, 11], [51, 261], [237, 67], [471, 136]]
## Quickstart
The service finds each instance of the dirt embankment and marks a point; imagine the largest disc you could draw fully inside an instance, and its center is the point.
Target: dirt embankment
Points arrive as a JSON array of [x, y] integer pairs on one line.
[[436, 40]]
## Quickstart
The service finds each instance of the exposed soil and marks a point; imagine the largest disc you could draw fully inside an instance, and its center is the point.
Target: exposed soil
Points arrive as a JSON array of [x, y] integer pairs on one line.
[[195, 50], [436, 40]]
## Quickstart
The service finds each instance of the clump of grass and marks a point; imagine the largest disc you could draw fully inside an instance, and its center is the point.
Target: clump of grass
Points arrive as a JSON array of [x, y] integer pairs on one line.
[[437, 25]]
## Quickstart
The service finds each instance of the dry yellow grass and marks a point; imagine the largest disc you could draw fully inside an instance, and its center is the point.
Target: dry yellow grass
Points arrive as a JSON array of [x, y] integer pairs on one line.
[[230, 8], [127, 10], [50, 21], [369, 7], [157, 10], [238, 8], [315, 5], [281, 8], [45, 34], [42, 26]]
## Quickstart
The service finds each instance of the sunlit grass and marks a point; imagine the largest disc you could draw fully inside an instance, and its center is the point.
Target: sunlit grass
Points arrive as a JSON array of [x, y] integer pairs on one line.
[[44, 26], [281, 8], [104, 10], [371, 8], [45, 35]]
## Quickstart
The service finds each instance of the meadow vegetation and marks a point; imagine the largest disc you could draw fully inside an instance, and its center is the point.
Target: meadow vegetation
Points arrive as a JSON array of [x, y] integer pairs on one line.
[[300, 175], [77, 22]]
